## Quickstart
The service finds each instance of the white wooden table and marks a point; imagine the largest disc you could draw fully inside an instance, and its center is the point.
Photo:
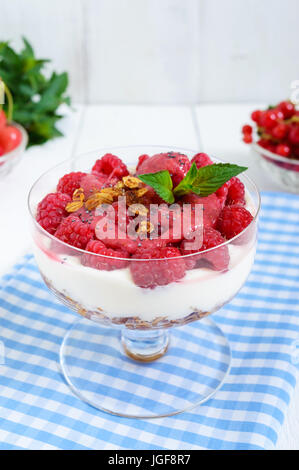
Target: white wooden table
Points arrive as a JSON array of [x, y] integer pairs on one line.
[[211, 128]]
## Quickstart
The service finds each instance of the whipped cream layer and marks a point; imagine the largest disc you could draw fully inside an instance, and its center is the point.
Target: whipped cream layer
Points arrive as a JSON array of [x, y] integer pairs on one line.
[[116, 295]]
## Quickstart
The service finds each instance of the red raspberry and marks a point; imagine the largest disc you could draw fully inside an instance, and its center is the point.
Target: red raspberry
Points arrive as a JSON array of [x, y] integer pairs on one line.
[[51, 211], [222, 192], [218, 258], [92, 183], [201, 159], [123, 244], [158, 270], [142, 159], [176, 163], [236, 192], [70, 182], [108, 261], [149, 245], [211, 207], [232, 220], [74, 232], [110, 165]]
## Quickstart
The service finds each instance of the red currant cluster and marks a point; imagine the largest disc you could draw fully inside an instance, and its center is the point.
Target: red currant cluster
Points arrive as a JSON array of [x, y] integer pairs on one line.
[[10, 136], [277, 128]]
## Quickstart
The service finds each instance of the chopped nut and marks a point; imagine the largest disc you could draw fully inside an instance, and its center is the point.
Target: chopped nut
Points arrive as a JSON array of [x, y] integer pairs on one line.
[[141, 192], [79, 195], [145, 227], [132, 182], [77, 202], [74, 206], [97, 199], [138, 209]]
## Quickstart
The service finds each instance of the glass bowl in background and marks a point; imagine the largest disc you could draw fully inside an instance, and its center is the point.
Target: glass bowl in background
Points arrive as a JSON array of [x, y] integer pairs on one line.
[[282, 170], [9, 160], [119, 357]]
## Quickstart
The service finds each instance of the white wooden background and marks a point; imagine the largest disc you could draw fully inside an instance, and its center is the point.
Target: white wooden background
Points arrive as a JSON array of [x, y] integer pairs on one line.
[[163, 51]]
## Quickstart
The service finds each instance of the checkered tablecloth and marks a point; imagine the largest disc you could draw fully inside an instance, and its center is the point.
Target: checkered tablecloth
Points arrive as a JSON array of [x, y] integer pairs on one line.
[[39, 411]]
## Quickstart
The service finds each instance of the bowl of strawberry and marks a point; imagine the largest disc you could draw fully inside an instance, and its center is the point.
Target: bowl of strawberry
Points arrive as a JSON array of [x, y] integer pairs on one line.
[[274, 139], [138, 250], [13, 142]]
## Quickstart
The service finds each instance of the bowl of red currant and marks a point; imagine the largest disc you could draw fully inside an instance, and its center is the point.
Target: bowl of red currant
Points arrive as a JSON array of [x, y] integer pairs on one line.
[[13, 142], [274, 139]]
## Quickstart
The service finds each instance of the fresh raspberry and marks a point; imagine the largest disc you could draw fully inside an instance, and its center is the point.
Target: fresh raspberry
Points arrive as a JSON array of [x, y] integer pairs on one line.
[[124, 243], [158, 270], [110, 165], [150, 245], [211, 207], [74, 232], [92, 183], [70, 182], [108, 261], [112, 229], [222, 192], [236, 192], [51, 211], [218, 258], [176, 163], [232, 220], [142, 159], [201, 159]]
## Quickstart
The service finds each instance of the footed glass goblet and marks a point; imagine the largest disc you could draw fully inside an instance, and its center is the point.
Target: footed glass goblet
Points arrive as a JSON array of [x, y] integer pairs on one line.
[[141, 352]]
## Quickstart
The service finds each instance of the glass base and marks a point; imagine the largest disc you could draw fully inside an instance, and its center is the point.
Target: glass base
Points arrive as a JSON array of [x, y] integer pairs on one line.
[[111, 370]]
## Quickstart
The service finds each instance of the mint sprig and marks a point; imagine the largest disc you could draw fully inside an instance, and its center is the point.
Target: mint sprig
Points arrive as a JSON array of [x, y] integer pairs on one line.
[[203, 181], [161, 182]]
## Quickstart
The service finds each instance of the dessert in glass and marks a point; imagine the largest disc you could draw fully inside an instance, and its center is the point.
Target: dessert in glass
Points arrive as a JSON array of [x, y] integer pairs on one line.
[[139, 250], [274, 141]]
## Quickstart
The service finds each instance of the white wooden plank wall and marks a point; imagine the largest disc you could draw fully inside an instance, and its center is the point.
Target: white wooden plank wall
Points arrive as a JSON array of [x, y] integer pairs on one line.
[[164, 51]]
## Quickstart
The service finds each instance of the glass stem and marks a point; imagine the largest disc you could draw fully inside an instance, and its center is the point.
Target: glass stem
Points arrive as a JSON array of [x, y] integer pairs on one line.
[[145, 345]]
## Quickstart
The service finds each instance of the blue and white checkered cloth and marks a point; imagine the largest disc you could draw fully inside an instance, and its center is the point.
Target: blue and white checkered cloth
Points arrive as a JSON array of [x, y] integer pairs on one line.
[[39, 411]]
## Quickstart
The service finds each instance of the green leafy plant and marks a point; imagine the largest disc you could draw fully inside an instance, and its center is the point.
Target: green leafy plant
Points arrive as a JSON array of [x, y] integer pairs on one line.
[[202, 181], [36, 97]]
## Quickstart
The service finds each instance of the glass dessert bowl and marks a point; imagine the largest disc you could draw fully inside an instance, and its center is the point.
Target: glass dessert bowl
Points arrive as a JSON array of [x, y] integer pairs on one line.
[[285, 171], [131, 291]]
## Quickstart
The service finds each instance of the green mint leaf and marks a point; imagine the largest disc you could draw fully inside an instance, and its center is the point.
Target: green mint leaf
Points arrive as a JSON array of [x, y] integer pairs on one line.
[[185, 186], [211, 177], [161, 182]]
